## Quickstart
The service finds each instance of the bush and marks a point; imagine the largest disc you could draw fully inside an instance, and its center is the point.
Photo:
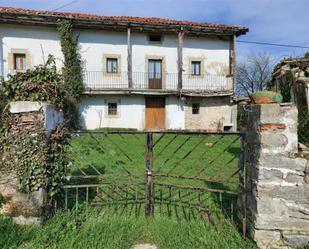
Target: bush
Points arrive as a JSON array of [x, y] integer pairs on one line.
[[43, 83]]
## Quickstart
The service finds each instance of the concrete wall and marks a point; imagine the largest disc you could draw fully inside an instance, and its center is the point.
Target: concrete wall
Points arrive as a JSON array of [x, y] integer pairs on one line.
[[41, 41], [38, 42], [215, 112], [277, 177], [131, 112], [175, 113]]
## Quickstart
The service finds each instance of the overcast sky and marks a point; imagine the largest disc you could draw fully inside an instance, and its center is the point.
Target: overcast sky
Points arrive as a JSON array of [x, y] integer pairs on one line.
[[272, 21]]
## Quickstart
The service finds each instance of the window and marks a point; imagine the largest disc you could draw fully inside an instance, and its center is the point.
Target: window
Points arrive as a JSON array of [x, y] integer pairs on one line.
[[112, 65], [19, 62], [196, 68], [196, 108], [112, 109], [155, 38]]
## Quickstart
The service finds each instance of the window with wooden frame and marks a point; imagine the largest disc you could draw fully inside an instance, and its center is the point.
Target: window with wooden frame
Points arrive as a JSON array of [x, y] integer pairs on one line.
[[19, 61], [112, 109], [195, 108], [196, 68], [111, 65]]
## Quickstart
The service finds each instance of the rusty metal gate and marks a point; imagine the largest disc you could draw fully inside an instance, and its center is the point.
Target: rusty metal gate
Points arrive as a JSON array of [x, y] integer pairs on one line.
[[178, 174]]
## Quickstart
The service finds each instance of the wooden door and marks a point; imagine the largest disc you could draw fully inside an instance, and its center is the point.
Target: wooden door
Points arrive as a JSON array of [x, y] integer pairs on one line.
[[155, 114], [155, 74]]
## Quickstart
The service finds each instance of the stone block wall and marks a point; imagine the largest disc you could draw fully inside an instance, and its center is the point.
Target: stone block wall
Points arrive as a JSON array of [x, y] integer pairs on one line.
[[277, 176], [27, 208]]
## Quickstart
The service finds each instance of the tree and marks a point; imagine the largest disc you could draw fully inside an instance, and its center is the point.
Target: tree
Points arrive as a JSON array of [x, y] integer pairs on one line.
[[253, 74]]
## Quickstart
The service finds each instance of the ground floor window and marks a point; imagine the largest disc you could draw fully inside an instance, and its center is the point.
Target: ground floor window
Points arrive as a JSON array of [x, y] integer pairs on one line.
[[112, 108], [195, 108]]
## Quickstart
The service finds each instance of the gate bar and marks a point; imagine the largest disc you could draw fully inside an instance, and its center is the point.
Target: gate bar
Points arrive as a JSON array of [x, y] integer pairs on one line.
[[149, 207]]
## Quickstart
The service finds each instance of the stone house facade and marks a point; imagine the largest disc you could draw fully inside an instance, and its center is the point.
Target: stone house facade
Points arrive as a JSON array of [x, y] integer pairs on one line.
[[292, 79], [139, 73]]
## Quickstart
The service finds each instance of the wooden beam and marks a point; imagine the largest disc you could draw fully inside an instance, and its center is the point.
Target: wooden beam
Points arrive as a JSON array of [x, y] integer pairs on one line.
[[180, 58], [232, 64], [129, 59]]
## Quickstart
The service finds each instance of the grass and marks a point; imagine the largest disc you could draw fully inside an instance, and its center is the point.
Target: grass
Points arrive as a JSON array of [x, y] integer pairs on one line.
[[208, 157], [116, 162], [107, 230]]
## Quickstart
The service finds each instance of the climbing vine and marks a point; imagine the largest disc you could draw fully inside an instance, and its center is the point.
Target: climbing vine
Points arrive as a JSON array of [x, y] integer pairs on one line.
[[71, 72], [38, 160], [26, 151]]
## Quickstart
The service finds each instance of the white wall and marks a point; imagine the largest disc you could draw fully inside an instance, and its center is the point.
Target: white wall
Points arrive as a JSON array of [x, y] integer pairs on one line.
[[175, 113], [39, 41], [94, 44], [215, 53], [131, 112]]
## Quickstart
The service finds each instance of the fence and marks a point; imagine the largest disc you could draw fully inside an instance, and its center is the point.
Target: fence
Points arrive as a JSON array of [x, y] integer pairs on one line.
[[176, 174], [98, 80]]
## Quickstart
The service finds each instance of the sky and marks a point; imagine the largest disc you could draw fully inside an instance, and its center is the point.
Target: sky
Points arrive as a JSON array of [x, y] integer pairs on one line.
[[270, 21]]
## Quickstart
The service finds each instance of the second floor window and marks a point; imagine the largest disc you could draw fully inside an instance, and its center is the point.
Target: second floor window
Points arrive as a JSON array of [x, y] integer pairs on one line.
[[19, 62], [195, 68], [112, 65]]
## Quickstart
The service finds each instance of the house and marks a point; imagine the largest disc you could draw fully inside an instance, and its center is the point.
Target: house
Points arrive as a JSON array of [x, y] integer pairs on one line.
[[139, 73], [291, 78]]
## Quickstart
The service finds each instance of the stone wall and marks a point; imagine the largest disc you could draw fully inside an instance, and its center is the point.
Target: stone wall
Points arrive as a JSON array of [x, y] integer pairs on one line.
[[26, 208], [277, 176]]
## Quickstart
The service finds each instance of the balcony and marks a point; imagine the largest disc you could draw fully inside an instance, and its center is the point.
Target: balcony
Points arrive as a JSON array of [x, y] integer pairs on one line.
[[165, 82], [143, 82]]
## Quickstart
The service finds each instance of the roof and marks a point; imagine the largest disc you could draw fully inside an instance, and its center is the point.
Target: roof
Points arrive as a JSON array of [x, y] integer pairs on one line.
[[124, 20]]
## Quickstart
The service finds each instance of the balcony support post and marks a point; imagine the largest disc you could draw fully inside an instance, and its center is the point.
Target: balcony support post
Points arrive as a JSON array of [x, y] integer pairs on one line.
[[180, 57], [129, 58], [233, 60]]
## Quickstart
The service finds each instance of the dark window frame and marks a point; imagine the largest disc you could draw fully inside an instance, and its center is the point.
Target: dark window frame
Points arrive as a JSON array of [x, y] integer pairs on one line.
[[196, 108], [117, 65], [194, 68], [112, 108]]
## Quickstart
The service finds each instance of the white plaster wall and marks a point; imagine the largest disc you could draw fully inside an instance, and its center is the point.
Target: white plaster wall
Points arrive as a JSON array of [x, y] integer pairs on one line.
[[215, 53], [131, 112], [215, 112], [94, 44], [175, 113], [39, 41]]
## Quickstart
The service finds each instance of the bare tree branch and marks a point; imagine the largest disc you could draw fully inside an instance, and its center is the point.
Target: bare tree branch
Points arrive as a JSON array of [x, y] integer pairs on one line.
[[254, 74]]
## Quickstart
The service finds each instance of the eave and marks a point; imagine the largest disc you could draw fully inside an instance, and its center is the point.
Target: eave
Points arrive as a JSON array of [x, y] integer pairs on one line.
[[84, 23]]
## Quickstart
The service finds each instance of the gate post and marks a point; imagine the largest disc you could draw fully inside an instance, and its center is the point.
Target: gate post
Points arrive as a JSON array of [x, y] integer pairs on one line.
[[149, 208], [276, 196]]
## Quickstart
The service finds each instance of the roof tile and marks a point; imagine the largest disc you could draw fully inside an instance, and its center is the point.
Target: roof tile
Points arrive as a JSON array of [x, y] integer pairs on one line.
[[129, 19]]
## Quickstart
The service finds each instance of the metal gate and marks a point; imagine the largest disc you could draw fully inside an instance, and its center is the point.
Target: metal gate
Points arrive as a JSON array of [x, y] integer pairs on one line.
[[178, 174]]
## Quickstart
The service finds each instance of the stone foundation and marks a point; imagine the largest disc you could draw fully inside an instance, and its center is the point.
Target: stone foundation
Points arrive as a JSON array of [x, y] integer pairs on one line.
[[276, 177], [27, 208]]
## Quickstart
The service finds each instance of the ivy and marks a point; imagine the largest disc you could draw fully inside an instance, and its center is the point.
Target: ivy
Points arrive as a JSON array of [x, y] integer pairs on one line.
[[43, 83], [38, 161], [72, 73]]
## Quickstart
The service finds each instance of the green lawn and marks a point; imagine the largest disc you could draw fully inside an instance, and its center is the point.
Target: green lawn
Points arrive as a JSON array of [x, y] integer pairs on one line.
[[116, 162], [203, 157], [184, 217], [106, 230]]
